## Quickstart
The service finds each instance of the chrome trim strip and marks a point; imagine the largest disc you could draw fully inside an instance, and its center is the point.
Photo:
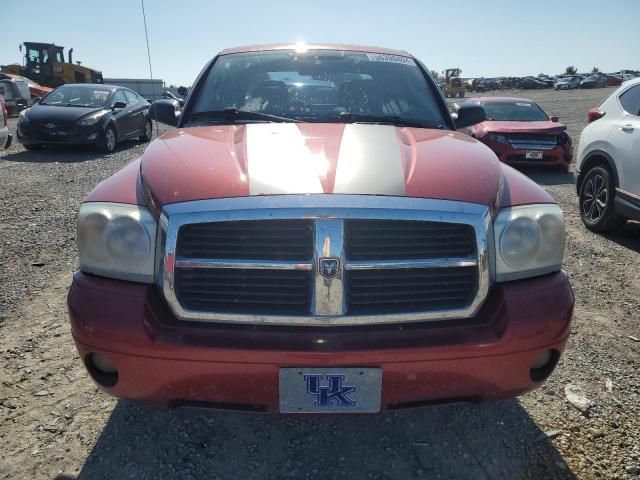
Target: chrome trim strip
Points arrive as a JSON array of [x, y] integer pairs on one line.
[[629, 194], [324, 207], [395, 264], [182, 262]]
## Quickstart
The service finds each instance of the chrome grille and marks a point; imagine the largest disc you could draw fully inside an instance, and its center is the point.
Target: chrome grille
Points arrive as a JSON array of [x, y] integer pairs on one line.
[[324, 259], [532, 141]]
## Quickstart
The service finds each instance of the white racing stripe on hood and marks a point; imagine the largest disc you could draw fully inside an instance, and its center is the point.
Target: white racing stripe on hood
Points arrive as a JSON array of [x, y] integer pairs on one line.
[[279, 161], [369, 161]]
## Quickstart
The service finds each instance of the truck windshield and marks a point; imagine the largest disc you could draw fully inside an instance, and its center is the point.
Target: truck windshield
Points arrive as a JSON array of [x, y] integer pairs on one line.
[[77, 96], [515, 112], [319, 86]]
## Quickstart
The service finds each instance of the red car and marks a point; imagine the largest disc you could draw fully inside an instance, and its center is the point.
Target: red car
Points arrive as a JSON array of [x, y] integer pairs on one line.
[[521, 134], [5, 136], [316, 237]]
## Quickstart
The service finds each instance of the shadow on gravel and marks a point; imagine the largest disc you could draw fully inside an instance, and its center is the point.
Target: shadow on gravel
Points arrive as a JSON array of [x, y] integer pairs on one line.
[[494, 441], [549, 177], [628, 236], [63, 154]]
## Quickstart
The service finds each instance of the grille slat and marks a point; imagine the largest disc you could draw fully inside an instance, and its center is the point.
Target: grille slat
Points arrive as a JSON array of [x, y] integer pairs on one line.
[[532, 141], [278, 240], [410, 290], [399, 239], [283, 292]]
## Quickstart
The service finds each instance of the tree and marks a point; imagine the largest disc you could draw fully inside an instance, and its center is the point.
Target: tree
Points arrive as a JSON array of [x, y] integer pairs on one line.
[[595, 70], [571, 70], [436, 76]]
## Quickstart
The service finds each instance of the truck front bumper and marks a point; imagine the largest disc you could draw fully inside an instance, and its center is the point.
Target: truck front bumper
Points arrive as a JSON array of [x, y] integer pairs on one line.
[[165, 361]]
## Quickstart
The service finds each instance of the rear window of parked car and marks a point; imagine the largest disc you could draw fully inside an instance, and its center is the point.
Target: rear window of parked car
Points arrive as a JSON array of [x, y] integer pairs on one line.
[[630, 100]]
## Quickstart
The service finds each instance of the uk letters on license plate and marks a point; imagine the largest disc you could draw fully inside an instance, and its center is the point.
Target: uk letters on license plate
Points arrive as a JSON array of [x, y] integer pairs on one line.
[[330, 390], [533, 155]]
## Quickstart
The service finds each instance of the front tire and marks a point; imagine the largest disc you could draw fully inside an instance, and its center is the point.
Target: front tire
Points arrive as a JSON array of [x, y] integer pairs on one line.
[[108, 141], [597, 201], [148, 132]]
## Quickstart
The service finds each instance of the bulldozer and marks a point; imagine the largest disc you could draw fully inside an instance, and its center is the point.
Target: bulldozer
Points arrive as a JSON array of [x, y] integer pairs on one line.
[[45, 64], [453, 85]]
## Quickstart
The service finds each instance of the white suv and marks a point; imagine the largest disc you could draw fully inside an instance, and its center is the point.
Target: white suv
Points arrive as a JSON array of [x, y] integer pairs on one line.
[[608, 161]]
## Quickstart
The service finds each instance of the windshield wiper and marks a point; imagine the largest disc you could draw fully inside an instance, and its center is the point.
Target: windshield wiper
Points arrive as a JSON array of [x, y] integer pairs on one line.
[[386, 120], [234, 114]]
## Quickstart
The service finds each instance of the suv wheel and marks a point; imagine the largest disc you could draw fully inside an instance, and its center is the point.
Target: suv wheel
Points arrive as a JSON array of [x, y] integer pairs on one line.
[[597, 201]]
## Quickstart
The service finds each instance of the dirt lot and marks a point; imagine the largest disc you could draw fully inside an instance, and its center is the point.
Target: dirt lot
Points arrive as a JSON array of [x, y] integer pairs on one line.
[[54, 423]]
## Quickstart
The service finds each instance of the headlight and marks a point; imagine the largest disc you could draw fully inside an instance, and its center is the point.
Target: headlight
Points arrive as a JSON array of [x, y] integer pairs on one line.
[[91, 119], [117, 240], [24, 116], [529, 241]]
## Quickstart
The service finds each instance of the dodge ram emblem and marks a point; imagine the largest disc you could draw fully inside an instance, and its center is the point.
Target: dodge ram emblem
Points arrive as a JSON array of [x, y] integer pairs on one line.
[[328, 267]]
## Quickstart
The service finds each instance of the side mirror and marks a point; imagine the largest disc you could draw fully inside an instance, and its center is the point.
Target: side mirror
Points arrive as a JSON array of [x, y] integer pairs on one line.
[[36, 100], [165, 111], [470, 114], [119, 106], [554, 118]]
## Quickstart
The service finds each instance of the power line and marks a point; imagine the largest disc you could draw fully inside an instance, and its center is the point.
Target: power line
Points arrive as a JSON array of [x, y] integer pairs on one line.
[[146, 34]]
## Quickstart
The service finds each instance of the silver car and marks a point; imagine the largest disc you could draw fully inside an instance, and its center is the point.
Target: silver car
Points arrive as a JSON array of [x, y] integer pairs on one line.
[[568, 83]]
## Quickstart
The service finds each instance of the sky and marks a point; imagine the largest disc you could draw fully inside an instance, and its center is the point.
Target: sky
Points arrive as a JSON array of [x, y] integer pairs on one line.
[[482, 37]]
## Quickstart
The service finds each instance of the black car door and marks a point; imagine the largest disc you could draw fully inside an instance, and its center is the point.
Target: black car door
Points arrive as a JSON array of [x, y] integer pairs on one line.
[[121, 117], [138, 108]]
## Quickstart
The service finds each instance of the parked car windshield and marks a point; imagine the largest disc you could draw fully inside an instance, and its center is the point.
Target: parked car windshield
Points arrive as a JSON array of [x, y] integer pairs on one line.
[[320, 86], [77, 96], [515, 112]]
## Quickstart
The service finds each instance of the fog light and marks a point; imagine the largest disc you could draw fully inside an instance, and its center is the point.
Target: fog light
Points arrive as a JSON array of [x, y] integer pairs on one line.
[[93, 136], [103, 364], [543, 365], [102, 369], [542, 359]]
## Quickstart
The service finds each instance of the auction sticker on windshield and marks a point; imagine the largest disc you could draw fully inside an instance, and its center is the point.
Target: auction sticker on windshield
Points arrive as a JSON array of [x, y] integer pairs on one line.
[[330, 390], [384, 57]]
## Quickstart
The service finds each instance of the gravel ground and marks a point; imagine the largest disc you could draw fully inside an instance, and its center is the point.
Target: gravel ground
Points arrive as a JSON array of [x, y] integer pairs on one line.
[[54, 423]]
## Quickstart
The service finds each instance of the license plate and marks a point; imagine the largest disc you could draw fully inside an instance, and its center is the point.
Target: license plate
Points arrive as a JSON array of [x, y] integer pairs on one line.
[[330, 390], [533, 154]]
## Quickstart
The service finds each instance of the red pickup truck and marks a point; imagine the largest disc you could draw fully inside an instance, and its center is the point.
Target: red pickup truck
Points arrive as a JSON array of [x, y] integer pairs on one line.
[[316, 237]]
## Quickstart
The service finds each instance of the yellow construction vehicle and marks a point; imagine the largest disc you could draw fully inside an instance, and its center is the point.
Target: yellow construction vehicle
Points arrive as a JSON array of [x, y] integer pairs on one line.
[[45, 63], [453, 85]]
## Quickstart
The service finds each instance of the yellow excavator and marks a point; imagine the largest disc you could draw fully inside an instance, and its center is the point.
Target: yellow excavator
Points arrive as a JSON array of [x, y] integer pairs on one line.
[[453, 85], [45, 63]]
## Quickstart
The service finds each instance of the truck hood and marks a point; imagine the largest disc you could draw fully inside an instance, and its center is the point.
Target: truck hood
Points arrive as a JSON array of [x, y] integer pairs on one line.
[[287, 158], [521, 127]]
